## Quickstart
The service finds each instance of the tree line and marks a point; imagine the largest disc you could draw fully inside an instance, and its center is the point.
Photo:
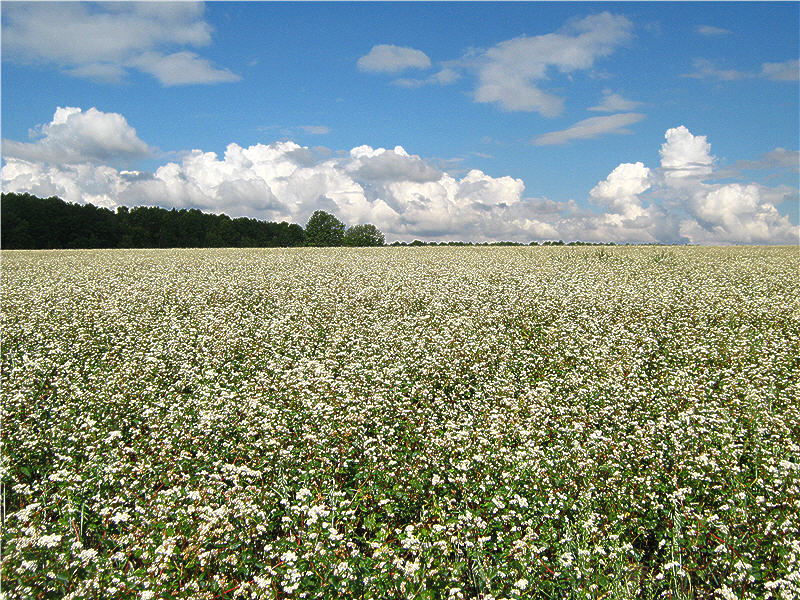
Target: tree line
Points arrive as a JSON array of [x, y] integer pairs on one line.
[[29, 222]]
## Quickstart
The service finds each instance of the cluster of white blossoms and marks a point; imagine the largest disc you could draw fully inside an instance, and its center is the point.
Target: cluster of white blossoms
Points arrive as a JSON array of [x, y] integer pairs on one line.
[[526, 422]]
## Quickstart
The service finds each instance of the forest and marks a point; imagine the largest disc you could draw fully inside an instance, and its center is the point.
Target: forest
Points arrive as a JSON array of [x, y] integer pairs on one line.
[[29, 222]]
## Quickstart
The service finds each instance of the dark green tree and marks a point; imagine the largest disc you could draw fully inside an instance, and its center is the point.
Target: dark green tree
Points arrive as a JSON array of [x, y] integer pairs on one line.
[[363, 235], [324, 229], [31, 222]]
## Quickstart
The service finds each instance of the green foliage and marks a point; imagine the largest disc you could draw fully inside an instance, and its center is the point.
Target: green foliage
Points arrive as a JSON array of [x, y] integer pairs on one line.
[[29, 222], [363, 235], [324, 229]]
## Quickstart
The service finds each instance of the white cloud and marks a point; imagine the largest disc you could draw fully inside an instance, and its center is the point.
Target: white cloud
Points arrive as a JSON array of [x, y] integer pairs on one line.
[[104, 41], [685, 158], [405, 195], [510, 72], [614, 103], [621, 189], [386, 58], [316, 129], [83, 183], [74, 136], [387, 165], [99, 71], [446, 76], [788, 70], [707, 69], [710, 213], [676, 202], [736, 213], [181, 68], [590, 128], [711, 30], [779, 158], [626, 217], [401, 193], [513, 72]]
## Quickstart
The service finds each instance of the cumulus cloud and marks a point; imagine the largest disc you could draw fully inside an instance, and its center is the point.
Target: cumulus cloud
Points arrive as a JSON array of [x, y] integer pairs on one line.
[[100, 185], [75, 136], [620, 190], [736, 212], [386, 58], [714, 213], [390, 165], [104, 41], [625, 215], [678, 202], [685, 158], [590, 128], [510, 73], [405, 195]]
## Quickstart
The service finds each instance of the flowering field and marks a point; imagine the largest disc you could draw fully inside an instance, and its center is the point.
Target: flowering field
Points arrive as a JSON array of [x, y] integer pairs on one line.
[[545, 422]]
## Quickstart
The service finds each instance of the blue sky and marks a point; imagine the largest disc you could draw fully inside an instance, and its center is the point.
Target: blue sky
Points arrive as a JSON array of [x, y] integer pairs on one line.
[[673, 122]]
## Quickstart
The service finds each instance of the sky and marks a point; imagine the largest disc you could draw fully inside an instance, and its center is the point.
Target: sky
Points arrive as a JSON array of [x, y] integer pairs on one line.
[[521, 121]]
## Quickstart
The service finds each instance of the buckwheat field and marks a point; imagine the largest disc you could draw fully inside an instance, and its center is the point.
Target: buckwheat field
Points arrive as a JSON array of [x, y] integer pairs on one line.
[[543, 422]]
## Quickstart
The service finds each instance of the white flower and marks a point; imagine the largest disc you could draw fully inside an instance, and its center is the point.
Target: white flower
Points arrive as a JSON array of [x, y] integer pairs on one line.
[[120, 517], [727, 593], [49, 541]]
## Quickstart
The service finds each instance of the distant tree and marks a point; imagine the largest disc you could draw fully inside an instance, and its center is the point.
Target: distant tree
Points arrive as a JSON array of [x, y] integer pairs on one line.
[[295, 236], [324, 229], [363, 235]]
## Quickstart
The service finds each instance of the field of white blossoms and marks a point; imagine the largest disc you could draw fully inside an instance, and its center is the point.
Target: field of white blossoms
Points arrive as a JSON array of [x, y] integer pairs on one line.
[[544, 422]]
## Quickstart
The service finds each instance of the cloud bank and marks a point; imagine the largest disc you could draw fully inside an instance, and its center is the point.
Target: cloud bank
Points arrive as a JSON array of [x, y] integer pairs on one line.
[[105, 41], [403, 194]]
